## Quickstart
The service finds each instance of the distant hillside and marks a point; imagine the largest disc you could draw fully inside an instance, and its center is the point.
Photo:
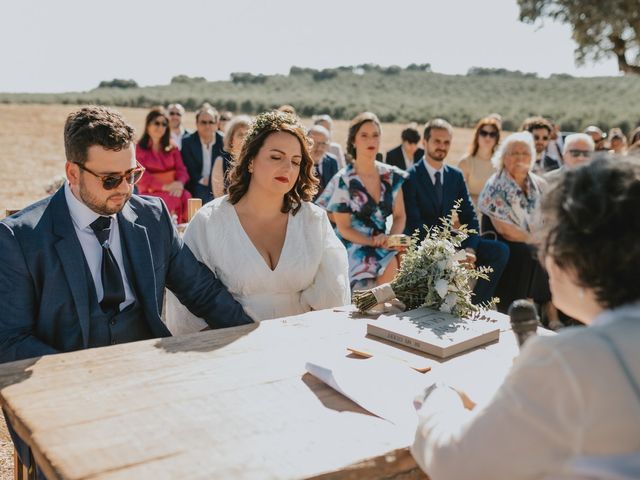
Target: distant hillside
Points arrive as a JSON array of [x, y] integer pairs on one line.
[[395, 94]]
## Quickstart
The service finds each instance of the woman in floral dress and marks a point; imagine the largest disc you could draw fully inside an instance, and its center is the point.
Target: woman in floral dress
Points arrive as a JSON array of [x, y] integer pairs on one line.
[[359, 199]]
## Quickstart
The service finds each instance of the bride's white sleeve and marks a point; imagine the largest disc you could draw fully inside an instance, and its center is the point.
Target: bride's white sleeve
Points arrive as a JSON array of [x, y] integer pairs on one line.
[[330, 287], [179, 319]]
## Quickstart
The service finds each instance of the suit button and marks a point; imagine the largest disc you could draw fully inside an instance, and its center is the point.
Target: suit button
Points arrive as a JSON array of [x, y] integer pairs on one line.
[[113, 321]]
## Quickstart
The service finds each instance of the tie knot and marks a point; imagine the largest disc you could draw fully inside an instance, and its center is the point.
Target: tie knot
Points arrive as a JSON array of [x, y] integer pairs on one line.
[[437, 175], [102, 227]]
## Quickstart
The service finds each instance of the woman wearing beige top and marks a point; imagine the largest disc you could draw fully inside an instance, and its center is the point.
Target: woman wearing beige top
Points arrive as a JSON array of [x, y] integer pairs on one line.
[[476, 166]]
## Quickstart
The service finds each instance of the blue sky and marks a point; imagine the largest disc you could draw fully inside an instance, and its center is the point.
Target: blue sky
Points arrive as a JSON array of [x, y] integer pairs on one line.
[[70, 45]]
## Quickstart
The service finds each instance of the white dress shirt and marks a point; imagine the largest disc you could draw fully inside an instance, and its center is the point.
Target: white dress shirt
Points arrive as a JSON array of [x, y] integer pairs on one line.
[[408, 159], [432, 172], [206, 158], [82, 217], [565, 398]]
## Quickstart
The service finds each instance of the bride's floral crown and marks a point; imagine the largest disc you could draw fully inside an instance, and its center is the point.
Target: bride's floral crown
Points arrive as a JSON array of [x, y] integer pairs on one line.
[[272, 122]]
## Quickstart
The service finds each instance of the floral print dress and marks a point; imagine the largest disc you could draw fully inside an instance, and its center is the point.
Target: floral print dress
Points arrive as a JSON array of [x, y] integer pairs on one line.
[[346, 193]]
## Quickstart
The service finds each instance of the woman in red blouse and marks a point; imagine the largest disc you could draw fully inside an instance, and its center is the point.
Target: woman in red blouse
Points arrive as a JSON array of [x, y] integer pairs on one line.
[[165, 174]]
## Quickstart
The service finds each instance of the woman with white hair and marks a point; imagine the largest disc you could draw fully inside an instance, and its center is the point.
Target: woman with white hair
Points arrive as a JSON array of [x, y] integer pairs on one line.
[[509, 203]]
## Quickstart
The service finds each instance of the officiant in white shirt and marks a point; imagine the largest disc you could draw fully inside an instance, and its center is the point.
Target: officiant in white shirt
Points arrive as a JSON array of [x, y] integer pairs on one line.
[[571, 403]]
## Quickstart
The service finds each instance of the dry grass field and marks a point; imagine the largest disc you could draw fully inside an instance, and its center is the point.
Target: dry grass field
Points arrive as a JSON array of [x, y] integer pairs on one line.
[[32, 155]]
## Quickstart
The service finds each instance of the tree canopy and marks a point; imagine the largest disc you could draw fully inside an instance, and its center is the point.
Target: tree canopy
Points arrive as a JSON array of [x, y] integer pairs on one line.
[[600, 28]]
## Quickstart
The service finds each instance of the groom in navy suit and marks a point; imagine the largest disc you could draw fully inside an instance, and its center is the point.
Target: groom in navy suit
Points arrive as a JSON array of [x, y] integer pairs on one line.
[[88, 266], [430, 193]]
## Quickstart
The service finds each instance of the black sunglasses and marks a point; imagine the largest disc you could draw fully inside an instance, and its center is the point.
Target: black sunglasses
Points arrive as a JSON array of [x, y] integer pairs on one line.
[[175, 114], [159, 124], [580, 153], [109, 182], [492, 134], [207, 122]]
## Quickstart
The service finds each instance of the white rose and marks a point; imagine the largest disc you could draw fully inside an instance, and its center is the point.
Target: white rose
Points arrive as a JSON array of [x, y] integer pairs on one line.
[[441, 287]]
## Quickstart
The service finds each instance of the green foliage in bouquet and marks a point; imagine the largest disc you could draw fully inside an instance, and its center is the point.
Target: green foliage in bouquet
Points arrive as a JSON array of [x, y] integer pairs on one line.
[[431, 274]]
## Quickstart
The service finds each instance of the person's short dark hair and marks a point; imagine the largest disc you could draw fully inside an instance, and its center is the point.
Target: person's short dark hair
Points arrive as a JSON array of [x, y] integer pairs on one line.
[[410, 134], [152, 116], [534, 123], [354, 128], [95, 125], [591, 224], [436, 124], [264, 125]]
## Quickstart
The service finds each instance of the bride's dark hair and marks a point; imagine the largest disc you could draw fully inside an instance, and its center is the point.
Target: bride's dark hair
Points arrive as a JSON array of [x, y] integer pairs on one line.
[[264, 125]]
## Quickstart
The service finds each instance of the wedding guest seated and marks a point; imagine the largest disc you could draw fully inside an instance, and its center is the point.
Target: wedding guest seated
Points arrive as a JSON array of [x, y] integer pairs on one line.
[[165, 175], [509, 203], [225, 118], [572, 400], [334, 148], [598, 136], [237, 128], [274, 249], [200, 149], [476, 166], [617, 141], [579, 149], [540, 128], [325, 164], [408, 152], [176, 113], [361, 196], [430, 194]]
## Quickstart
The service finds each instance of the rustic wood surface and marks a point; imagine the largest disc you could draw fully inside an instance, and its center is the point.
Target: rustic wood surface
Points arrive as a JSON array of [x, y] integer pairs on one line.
[[233, 403]]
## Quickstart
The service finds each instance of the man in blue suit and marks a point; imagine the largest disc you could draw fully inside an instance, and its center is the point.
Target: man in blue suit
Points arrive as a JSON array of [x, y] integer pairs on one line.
[[200, 150], [430, 193], [325, 164], [87, 267]]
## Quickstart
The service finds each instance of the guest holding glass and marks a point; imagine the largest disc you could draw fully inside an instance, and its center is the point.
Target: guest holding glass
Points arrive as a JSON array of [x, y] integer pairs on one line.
[[569, 406], [360, 197], [509, 203], [476, 166], [274, 249], [237, 129], [166, 175]]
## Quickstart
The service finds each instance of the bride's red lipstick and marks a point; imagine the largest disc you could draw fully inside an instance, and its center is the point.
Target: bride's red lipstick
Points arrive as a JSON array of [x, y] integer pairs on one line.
[[282, 179]]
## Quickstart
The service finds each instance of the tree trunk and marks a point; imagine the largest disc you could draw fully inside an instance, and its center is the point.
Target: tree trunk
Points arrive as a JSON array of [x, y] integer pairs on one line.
[[620, 51]]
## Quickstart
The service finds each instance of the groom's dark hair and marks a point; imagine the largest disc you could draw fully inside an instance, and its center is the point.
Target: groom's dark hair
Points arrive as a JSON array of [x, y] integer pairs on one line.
[[94, 125]]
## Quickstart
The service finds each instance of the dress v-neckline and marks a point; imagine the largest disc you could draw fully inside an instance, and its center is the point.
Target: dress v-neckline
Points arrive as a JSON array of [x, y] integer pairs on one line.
[[366, 191], [252, 245]]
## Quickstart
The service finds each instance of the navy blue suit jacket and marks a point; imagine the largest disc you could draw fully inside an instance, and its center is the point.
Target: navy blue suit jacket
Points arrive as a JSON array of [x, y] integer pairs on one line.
[[395, 157], [420, 201], [329, 169], [44, 291], [192, 157]]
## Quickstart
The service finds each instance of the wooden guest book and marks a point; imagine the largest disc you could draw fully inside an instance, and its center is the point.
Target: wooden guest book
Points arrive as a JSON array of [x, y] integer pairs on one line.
[[436, 333]]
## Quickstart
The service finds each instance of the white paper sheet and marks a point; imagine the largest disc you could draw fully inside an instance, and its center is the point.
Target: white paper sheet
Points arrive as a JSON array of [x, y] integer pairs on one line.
[[381, 386]]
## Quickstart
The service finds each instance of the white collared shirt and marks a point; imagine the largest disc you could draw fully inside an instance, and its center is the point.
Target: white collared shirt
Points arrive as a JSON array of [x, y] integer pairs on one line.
[[432, 172], [177, 137], [206, 158], [82, 217], [408, 159]]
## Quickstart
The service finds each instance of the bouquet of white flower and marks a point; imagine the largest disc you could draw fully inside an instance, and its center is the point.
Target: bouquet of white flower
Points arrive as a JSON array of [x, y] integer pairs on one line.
[[432, 275]]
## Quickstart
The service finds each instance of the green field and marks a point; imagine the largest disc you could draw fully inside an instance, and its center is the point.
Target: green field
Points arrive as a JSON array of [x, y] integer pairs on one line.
[[396, 95]]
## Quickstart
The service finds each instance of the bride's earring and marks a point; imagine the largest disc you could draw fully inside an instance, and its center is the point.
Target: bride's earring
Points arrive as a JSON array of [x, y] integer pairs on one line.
[[581, 294], [250, 168]]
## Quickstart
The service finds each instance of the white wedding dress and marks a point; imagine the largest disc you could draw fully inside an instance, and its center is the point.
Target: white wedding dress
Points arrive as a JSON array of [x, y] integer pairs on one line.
[[312, 272]]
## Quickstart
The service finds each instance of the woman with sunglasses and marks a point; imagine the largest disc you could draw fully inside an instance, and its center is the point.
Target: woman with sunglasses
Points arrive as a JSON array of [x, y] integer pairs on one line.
[[166, 174], [476, 165]]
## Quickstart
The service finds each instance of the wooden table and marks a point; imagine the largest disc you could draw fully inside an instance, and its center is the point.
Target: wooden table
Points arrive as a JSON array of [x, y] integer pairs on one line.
[[232, 404]]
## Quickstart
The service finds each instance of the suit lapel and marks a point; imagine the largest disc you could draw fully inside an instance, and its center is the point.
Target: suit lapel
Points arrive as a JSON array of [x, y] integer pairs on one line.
[[72, 259], [449, 190], [138, 248], [198, 153]]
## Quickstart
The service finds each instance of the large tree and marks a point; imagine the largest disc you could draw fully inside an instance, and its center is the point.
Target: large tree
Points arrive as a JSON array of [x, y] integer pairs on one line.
[[601, 28]]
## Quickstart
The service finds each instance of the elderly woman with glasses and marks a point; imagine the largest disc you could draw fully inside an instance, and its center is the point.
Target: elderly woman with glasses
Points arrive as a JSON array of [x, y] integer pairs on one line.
[[166, 174], [509, 203], [476, 166]]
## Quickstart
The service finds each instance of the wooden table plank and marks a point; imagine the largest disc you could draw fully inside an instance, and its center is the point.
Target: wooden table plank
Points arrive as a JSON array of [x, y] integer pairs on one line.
[[233, 403]]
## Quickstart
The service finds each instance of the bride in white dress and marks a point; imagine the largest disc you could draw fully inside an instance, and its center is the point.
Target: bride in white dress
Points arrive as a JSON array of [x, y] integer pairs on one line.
[[274, 250]]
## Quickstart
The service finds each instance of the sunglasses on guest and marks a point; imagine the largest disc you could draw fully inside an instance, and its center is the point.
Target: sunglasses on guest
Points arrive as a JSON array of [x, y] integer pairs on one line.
[[207, 122], [159, 124], [487, 133], [111, 181], [581, 153], [175, 114], [537, 138]]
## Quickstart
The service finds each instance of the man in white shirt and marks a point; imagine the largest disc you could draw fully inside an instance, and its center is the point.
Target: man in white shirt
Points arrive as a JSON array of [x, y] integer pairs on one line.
[[176, 112]]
